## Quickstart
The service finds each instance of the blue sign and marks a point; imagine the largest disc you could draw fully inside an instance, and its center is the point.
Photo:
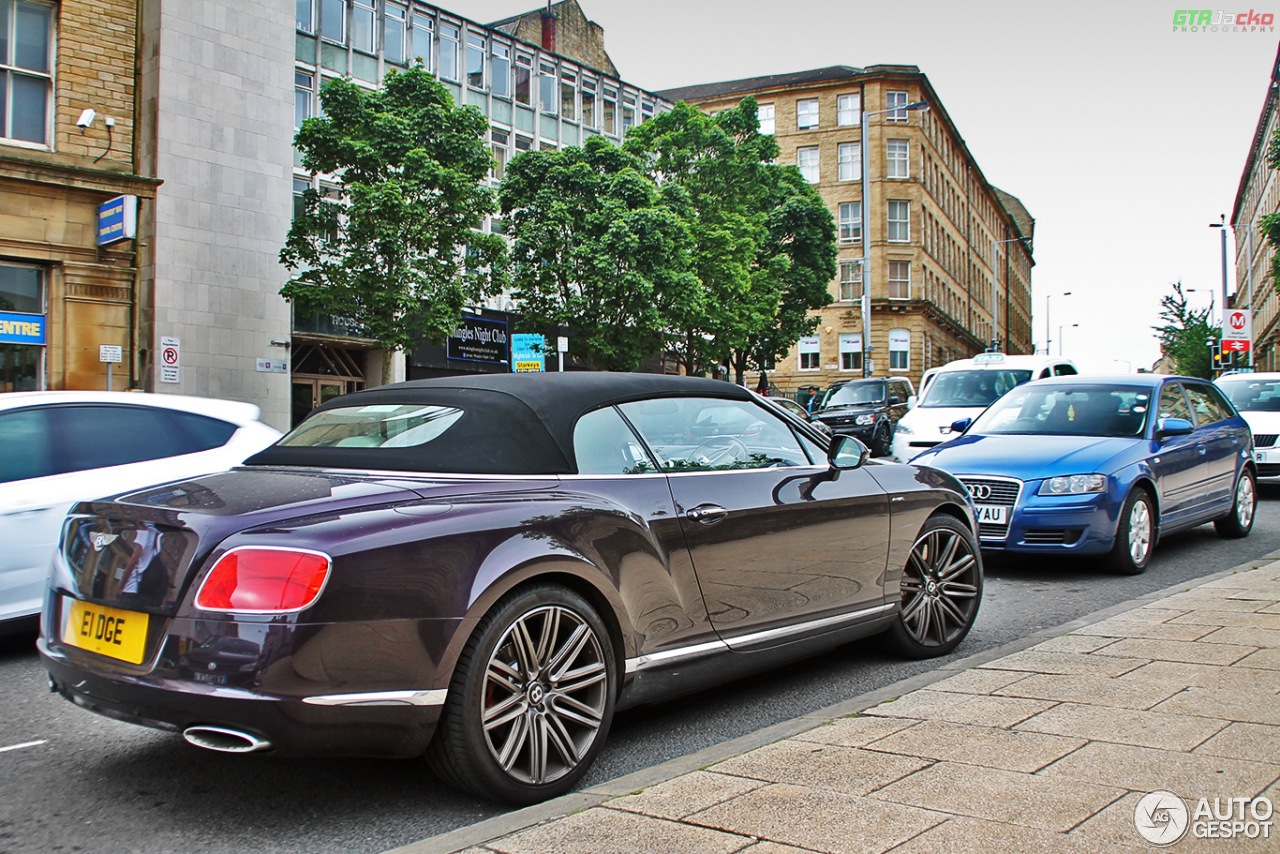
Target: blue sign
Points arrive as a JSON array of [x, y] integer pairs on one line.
[[479, 339], [118, 220], [21, 328], [527, 352]]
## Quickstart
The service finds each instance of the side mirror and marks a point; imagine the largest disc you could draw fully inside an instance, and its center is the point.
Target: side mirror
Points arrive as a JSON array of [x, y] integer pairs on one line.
[[1167, 427], [846, 452], [960, 425], [911, 401]]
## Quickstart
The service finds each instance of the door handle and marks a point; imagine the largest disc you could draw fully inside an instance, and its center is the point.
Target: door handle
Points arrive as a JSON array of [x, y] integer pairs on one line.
[[707, 514]]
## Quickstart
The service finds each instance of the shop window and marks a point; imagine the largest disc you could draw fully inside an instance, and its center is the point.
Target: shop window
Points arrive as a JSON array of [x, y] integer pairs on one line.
[[851, 351]]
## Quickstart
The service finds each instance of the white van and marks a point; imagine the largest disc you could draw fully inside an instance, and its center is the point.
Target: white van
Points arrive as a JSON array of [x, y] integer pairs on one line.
[[964, 388]]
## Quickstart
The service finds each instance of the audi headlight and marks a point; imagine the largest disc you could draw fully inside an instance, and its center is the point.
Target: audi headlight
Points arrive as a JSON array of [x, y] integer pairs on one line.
[[864, 420], [1074, 484]]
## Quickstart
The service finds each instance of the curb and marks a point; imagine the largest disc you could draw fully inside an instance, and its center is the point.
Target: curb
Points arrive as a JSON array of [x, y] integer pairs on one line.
[[513, 822]]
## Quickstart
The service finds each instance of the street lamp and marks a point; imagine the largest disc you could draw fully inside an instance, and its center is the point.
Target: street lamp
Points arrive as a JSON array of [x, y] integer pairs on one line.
[[1048, 330], [1223, 225], [1060, 328], [995, 292], [864, 261]]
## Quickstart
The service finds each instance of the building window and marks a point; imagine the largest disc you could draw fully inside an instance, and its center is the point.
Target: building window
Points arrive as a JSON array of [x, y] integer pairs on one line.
[[333, 20], [422, 27], [848, 108], [362, 18], [523, 143], [628, 113], [896, 101], [547, 88], [807, 160], [851, 351], [568, 95], [609, 110], [765, 114], [810, 354], [498, 140], [849, 161], [524, 75], [899, 280], [306, 15], [899, 221], [896, 165], [850, 281], [807, 114], [899, 349], [395, 29], [21, 289], [449, 36], [588, 102], [850, 222], [302, 87], [26, 44], [500, 69], [475, 60]]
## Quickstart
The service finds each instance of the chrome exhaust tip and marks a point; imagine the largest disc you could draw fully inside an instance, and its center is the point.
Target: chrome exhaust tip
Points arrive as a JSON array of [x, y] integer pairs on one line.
[[224, 740]]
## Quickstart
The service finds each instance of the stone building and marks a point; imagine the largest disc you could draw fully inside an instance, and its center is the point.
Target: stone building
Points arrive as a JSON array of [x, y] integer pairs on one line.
[[62, 296], [950, 256], [1257, 196]]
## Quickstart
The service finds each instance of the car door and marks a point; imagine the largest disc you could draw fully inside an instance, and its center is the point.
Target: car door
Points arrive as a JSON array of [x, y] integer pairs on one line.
[[1222, 442], [778, 545], [31, 510], [1178, 461]]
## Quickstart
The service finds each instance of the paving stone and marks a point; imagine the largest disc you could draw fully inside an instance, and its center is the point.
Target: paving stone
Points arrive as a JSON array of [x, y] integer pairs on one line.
[[1074, 643], [605, 831], [774, 848], [1203, 602], [686, 794], [1239, 619], [1026, 800], [962, 835], [1125, 726], [980, 709], [1263, 659], [979, 681], [1244, 741], [851, 770], [1181, 675], [1145, 769], [973, 745], [819, 820], [1156, 631], [1251, 636], [1196, 652], [1254, 707], [1065, 662], [1156, 613], [1099, 690], [856, 731]]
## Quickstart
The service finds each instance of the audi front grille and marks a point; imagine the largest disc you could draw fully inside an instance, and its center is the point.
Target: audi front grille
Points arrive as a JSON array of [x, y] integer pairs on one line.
[[994, 492]]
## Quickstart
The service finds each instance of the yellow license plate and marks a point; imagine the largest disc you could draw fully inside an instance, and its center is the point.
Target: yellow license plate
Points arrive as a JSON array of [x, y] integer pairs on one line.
[[106, 631]]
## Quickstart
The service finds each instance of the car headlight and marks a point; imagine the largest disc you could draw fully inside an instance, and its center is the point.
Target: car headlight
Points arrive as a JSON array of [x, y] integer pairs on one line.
[[1074, 484], [864, 420], [904, 428]]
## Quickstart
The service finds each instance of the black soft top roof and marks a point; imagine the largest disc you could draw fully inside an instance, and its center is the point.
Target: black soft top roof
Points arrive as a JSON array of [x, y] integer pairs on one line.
[[511, 423]]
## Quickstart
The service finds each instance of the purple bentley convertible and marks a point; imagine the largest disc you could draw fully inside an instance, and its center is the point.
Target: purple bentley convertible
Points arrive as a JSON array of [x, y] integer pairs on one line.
[[484, 570]]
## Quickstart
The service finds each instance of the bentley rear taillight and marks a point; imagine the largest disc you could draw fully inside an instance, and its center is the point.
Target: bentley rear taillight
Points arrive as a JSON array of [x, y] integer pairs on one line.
[[261, 580]]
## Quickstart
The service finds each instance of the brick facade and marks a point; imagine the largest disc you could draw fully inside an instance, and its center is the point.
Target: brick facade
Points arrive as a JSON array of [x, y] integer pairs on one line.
[[576, 37]]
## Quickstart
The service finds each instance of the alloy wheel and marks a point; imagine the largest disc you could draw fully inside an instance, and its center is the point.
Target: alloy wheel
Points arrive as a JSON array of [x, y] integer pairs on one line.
[[1139, 532], [940, 588], [1246, 502]]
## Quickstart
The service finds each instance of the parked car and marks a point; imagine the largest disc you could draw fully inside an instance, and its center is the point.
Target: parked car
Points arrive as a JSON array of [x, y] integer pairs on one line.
[[1104, 466], [1257, 398], [59, 447], [869, 409], [487, 568], [798, 411], [962, 389]]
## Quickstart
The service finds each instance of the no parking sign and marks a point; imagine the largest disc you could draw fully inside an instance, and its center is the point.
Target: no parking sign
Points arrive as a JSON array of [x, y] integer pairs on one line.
[[170, 359]]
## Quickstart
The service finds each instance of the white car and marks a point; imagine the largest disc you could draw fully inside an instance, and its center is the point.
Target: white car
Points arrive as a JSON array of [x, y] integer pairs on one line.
[[1257, 396], [60, 447], [962, 389]]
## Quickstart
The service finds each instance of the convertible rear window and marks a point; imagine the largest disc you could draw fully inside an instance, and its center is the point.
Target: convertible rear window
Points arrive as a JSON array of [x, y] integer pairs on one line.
[[374, 426]]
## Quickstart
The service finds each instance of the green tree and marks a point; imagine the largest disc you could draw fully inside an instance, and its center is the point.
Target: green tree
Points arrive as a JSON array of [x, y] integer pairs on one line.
[[600, 248], [1184, 334], [396, 250], [763, 241]]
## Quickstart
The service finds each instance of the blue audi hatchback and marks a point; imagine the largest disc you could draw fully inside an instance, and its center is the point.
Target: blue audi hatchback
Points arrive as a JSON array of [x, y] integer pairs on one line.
[[1104, 466]]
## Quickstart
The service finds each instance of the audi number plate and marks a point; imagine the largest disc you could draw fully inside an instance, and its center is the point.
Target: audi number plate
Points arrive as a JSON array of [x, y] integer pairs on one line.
[[107, 631], [991, 514]]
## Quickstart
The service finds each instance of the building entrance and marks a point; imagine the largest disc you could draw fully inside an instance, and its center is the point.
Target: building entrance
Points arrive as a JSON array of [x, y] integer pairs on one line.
[[321, 373]]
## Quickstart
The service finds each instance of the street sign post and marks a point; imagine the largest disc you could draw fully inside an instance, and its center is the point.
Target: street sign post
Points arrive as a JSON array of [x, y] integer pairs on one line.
[[112, 354], [170, 359]]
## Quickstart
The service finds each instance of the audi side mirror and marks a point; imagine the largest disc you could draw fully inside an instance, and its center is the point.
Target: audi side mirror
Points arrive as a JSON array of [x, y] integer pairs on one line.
[[1167, 427], [960, 425]]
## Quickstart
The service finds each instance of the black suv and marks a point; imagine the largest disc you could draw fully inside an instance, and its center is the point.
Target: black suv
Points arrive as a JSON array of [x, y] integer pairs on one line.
[[868, 409]]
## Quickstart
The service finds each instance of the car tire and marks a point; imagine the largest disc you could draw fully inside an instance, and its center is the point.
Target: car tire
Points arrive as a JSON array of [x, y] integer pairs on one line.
[[540, 663], [1239, 522], [1135, 535], [880, 445], [941, 589]]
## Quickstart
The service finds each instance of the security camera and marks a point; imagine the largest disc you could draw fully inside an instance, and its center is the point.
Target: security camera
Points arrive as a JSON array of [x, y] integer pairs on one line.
[[86, 118]]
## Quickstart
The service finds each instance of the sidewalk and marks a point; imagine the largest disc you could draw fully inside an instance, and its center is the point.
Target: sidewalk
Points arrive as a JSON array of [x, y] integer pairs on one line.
[[1048, 748]]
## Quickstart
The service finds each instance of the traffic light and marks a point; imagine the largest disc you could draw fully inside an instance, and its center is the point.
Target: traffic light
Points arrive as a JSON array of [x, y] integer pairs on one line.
[[1215, 356]]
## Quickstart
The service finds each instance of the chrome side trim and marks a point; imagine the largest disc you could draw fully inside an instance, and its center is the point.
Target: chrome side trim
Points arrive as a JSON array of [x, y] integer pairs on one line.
[[380, 698], [671, 656]]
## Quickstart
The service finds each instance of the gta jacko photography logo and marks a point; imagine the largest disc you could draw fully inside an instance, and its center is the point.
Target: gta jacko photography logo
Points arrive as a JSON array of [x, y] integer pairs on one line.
[[1218, 21], [1162, 818]]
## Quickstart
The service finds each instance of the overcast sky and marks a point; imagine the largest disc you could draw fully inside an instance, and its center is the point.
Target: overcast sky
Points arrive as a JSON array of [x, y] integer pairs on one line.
[[1123, 138]]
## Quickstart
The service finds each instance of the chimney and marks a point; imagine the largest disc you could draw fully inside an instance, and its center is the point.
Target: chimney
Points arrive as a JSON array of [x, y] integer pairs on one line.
[[548, 29]]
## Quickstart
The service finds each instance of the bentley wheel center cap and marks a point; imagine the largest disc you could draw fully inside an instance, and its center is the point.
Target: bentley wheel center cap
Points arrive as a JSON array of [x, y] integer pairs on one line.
[[536, 694]]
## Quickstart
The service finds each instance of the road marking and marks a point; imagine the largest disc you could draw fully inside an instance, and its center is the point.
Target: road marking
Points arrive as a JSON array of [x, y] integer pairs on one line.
[[24, 744]]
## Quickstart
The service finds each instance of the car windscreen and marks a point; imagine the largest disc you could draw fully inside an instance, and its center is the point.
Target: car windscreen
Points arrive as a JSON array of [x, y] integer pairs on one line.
[[1102, 410], [1251, 394], [856, 394], [972, 387]]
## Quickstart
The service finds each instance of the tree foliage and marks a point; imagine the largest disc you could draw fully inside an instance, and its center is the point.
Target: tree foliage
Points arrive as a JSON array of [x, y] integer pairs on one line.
[[599, 248], [396, 250], [1184, 334]]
